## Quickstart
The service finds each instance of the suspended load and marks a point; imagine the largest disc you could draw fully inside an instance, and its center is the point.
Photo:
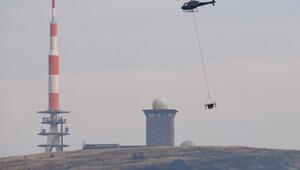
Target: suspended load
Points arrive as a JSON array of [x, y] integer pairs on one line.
[[210, 104]]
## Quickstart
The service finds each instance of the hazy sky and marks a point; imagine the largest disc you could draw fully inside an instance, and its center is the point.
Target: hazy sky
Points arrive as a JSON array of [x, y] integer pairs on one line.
[[117, 56]]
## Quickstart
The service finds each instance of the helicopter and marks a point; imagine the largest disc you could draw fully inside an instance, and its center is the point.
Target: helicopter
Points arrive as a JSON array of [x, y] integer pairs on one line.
[[193, 5]]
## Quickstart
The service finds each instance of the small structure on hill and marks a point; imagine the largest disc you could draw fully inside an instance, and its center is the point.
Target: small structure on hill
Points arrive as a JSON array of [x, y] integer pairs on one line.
[[187, 143], [100, 146]]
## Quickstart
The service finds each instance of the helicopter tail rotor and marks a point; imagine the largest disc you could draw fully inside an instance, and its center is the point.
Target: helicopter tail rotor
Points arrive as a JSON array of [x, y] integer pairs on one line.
[[213, 2]]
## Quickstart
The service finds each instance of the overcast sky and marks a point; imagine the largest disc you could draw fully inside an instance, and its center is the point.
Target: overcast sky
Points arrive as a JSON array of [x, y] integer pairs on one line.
[[117, 56]]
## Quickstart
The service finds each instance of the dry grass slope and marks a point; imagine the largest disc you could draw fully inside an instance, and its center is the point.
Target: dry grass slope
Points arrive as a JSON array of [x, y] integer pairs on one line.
[[159, 158]]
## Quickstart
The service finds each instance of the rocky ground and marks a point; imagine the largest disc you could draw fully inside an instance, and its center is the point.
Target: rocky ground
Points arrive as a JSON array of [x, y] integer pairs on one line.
[[159, 158]]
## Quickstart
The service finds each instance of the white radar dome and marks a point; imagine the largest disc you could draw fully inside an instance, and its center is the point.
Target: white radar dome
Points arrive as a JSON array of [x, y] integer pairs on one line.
[[160, 104]]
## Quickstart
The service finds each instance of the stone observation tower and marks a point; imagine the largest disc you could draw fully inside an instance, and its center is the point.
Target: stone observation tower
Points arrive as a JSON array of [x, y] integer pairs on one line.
[[160, 124]]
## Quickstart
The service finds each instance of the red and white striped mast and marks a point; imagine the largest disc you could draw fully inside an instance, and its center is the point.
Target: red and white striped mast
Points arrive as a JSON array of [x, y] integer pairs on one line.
[[54, 136], [53, 64]]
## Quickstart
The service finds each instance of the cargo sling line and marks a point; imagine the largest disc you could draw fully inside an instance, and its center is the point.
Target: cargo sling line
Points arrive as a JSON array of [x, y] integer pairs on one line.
[[209, 99]]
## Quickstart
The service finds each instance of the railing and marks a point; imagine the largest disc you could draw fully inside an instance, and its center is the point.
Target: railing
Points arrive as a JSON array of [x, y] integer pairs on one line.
[[59, 120], [61, 133]]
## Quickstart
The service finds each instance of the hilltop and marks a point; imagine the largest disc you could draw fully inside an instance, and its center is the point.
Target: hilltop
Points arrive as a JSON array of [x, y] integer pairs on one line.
[[159, 158]]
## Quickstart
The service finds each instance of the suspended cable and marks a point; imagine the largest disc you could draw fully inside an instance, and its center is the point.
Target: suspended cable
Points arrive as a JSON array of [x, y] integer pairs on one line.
[[202, 56]]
